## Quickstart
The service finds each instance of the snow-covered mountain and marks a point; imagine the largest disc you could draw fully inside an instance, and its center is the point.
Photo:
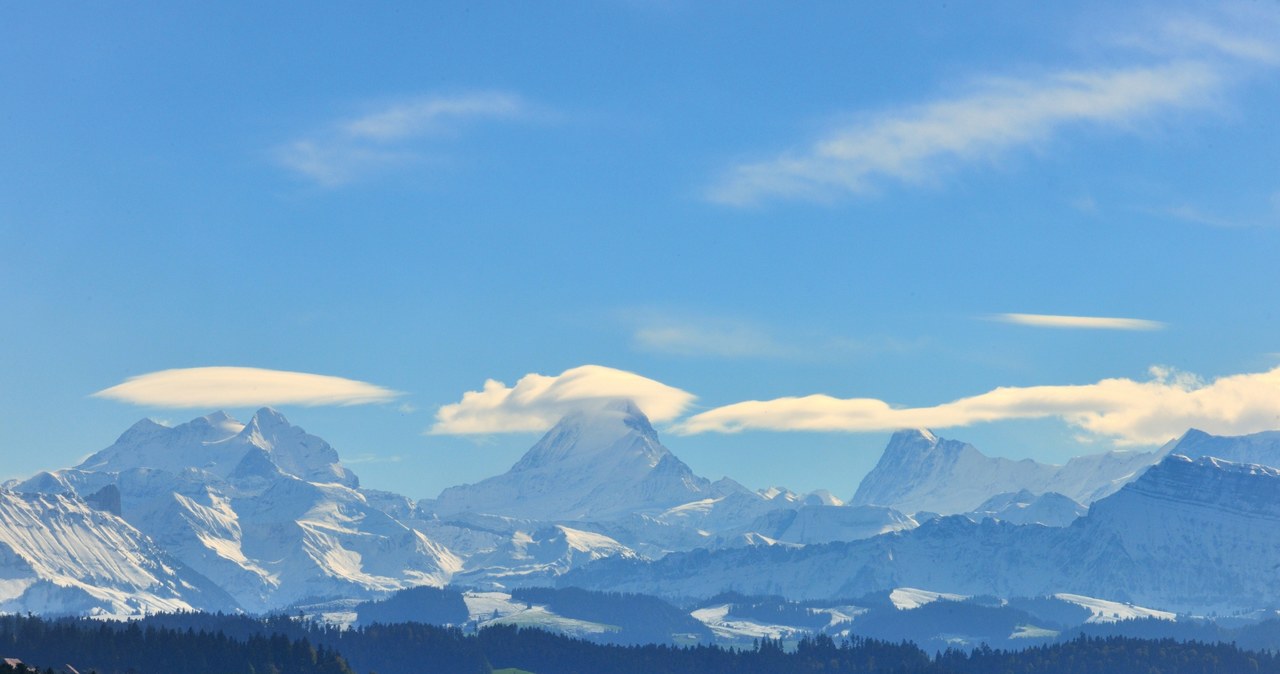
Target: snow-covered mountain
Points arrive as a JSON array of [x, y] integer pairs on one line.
[[263, 509], [920, 471], [597, 463], [1023, 507], [218, 514], [811, 524], [535, 558], [59, 555], [1258, 448], [219, 445], [1188, 534]]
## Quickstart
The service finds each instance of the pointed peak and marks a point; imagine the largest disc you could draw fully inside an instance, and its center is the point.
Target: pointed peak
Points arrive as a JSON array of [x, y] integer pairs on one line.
[[915, 435], [594, 429], [146, 425], [912, 438], [613, 413], [624, 408], [1192, 437], [144, 428], [265, 424], [269, 416]]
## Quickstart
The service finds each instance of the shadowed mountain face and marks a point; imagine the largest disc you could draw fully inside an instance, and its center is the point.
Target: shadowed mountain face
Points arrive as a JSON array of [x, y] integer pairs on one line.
[[600, 462], [1023, 507], [921, 472], [1195, 534]]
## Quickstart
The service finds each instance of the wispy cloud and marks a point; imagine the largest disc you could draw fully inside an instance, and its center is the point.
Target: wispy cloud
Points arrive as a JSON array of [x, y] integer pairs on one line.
[[1253, 215], [242, 387], [1127, 411], [1179, 63], [702, 335], [705, 336], [1079, 322], [537, 401], [1235, 31], [391, 136], [999, 114], [1192, 214]]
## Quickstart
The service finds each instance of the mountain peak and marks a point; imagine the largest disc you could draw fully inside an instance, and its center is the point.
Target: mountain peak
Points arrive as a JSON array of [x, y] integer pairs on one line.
[[269, 417], [913, 436], [618, 413], [920, 444], [293, 450], [606, 427], [143, 428], [1256, 448], [601, 459]]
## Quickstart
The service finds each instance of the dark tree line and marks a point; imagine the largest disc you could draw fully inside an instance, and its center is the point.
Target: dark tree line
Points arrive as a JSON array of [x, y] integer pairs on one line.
[[217, 644], [1113, 655], [116, 648]]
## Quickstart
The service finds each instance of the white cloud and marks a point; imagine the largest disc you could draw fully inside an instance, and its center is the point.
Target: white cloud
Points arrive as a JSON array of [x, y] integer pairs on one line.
[[1250, 36], [392, 136], [1127, 411], [1180, 62], [431, 115], [1079, 322], [242, 387], [912, 144], [538, 401]]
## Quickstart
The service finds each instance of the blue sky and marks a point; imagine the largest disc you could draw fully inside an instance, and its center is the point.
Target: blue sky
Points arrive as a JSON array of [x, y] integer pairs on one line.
[[787, 231]]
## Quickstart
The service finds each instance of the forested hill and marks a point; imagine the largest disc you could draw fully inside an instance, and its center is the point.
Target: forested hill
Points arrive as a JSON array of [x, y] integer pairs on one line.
[[209, 644], [120, 648]]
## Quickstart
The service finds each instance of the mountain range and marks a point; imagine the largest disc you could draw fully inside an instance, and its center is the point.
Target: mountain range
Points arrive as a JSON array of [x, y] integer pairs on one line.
[[215, 514]]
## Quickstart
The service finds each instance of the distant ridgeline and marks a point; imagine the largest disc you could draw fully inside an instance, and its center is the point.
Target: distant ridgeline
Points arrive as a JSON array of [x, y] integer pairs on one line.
[[213, 644]]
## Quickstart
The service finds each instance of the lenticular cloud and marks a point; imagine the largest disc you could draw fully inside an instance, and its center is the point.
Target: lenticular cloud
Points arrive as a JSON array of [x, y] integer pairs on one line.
[[537, 401], [242, 387]]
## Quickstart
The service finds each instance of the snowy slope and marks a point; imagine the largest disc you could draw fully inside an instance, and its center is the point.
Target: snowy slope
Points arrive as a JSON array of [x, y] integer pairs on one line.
[[536, 557], [919, 471], [597, 463], [1103, 611], [58, 555]]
